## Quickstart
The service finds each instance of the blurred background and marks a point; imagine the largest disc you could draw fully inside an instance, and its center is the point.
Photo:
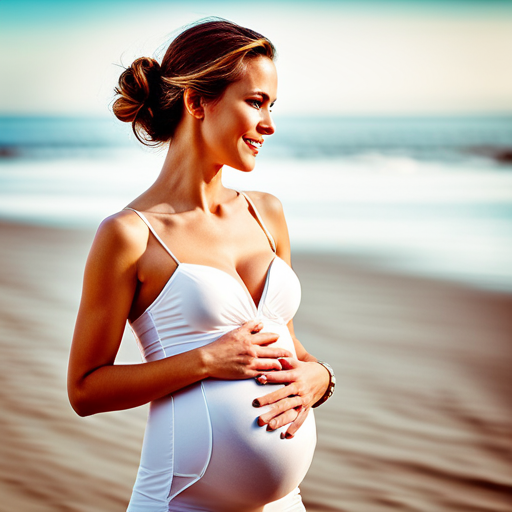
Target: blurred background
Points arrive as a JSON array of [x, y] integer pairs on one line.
[[393, 160]]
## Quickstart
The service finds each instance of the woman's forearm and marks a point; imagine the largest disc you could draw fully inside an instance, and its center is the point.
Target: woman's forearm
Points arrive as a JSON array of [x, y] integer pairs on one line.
[[116, 387], [242, 353]]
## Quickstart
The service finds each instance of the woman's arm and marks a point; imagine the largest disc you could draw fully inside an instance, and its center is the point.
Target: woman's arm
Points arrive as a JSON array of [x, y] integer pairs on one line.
[[306, 380], [95, 383]]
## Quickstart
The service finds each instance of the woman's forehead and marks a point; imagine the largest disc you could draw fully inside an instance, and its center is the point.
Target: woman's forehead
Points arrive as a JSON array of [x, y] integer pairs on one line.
[[259, 77]]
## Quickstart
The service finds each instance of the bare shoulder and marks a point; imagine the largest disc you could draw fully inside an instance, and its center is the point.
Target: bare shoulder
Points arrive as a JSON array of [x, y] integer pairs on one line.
[[271, 210], [111, 270], [267, 204], [122, 233]]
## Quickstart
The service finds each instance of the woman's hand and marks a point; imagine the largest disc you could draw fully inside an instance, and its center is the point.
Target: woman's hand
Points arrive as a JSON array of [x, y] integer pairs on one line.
[[243, 353], [306, 383]]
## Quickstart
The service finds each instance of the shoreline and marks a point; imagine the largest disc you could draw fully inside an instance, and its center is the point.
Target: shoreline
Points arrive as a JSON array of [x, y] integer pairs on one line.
[[365, 261]]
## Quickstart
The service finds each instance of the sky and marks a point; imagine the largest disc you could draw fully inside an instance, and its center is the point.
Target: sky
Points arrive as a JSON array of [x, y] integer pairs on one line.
[[334, 57]]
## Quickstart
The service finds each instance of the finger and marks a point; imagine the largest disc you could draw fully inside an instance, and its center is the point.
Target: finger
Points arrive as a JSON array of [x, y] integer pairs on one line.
[[289, 362], [253, 326], [265, 364], [282, 377], [274, 396], [275, 352], [280, 408], [283, 419], [296, 424], [264, 338]]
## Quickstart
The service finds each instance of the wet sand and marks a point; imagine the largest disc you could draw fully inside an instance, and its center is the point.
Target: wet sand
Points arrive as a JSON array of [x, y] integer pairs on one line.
[[421, 419]]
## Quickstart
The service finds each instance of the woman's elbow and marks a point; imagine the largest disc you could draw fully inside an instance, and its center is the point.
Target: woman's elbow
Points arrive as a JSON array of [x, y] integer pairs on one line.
[[79, 401]]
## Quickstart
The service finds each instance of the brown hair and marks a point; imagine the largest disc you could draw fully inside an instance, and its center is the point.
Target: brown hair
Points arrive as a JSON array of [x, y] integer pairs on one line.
[[206, 57]]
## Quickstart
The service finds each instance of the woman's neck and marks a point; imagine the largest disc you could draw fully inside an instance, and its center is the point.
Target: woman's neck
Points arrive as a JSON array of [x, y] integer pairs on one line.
[[188, 180]]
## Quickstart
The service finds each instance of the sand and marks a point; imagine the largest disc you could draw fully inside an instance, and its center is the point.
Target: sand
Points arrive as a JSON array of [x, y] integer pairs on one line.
[[420, 421]]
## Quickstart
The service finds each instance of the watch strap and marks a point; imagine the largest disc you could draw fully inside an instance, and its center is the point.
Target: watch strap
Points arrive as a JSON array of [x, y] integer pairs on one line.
[[330, 388]]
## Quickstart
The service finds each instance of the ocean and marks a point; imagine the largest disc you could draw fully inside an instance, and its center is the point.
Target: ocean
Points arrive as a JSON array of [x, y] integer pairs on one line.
[[429, 196]]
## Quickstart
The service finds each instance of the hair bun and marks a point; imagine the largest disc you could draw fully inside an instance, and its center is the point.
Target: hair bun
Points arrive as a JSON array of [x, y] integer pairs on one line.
[[138, 87]]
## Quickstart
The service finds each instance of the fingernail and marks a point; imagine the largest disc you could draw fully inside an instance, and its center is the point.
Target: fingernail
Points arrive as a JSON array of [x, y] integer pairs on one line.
[[262, 379], [256, 403], [271, 425], [288, 436], [257, 328]]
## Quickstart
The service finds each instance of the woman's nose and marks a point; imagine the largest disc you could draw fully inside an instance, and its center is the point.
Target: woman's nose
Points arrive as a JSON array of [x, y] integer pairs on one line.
[[267, 126]]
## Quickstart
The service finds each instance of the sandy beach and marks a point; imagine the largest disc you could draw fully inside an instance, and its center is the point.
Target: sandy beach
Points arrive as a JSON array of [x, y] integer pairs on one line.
[[420, 421]]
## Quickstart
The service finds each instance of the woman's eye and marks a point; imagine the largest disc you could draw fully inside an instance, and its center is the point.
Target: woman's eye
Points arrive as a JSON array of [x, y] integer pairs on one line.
[[255, 103]]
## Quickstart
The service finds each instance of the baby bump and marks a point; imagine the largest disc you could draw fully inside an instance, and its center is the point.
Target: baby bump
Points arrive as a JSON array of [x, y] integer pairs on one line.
[[249, 466]]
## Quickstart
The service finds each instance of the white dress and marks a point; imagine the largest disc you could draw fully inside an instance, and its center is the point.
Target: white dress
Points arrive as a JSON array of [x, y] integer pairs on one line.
[[203, 450]]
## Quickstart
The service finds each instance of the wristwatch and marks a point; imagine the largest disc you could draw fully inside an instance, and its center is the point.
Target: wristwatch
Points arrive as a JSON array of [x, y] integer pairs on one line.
[[330, 388]]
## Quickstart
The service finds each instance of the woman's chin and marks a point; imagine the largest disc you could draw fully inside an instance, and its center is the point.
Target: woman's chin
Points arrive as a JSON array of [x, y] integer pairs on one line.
[[243, 166], [248, 165]]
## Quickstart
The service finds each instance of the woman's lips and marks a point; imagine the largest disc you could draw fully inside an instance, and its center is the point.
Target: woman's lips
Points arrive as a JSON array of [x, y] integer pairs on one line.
[[253, 144]]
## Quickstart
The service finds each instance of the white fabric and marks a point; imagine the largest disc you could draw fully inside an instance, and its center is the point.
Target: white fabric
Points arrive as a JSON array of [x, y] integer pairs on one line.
[[202, 447]]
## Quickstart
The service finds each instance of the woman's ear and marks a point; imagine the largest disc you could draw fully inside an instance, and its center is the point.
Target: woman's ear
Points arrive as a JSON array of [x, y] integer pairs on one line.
[[193, 103]]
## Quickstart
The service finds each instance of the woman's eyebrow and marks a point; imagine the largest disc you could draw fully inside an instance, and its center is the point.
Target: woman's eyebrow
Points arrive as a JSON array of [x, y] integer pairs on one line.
[[264, 95]]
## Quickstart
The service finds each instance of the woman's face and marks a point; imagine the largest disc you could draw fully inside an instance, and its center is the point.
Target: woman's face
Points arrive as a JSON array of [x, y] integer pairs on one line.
[[234, 126]]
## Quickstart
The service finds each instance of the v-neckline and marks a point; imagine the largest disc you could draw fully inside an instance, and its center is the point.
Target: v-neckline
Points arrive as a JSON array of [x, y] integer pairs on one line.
[[239, 280]]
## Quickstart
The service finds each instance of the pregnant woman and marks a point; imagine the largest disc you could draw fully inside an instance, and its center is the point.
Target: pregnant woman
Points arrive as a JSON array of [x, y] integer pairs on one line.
[[202, 274]]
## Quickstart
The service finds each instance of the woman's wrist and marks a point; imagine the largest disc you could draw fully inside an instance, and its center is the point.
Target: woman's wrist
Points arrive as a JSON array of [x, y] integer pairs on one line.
[[204, 362], [330, 387]]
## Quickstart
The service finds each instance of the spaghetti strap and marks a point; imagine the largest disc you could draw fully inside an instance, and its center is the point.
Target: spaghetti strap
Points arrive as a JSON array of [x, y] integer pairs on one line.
[[155, 234], [260, 220]]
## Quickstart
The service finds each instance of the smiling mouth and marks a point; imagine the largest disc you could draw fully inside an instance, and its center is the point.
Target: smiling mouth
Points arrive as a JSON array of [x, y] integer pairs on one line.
[[255, 144]]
